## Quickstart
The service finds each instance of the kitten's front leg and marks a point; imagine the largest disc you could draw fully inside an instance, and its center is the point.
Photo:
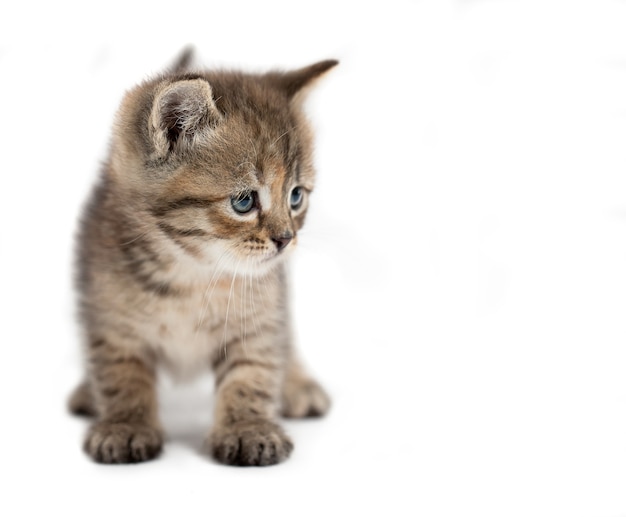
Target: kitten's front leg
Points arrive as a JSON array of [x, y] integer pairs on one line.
[[127, 428], [248, 400]]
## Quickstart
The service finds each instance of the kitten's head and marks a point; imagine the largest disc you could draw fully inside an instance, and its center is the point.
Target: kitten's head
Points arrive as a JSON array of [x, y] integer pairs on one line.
[[221, 161]]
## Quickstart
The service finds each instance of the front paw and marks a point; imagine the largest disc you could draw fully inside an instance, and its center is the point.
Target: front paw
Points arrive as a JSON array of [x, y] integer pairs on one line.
[[258, 443], [123, 443]]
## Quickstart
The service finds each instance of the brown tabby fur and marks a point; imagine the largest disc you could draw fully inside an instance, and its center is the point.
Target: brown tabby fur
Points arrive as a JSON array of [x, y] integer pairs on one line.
[[170, 275]]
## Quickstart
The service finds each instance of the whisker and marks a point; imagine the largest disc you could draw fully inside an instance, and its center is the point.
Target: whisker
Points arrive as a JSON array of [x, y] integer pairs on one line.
[[243, 308], [230, 295], [126, 243], [252, 304], [206, 297], [265, 284], [261, 280], [284, 134], [246, 162]]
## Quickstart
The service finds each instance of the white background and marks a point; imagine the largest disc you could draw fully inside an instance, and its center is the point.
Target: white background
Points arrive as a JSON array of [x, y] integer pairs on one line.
[[460, 288]]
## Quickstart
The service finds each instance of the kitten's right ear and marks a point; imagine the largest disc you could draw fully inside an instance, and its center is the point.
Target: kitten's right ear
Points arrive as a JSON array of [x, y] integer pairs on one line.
[[182, 112], [297, 81]]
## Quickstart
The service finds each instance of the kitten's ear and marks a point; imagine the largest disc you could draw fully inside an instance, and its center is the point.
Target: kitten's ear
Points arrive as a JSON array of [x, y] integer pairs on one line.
[[299, 80], [182, 112], [183, 60]]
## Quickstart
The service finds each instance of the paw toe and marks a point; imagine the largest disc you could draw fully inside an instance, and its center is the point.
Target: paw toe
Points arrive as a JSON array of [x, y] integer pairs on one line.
[[250, 444], [122, 443]]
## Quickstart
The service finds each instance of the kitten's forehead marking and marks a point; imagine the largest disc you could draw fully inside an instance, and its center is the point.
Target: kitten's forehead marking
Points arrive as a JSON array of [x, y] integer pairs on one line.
[[267, 190], [270, 183], [265, 197]]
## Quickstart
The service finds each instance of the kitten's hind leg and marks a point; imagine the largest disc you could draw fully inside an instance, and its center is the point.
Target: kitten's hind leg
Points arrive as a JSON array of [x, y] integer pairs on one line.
[[81, 401], [302, 396]]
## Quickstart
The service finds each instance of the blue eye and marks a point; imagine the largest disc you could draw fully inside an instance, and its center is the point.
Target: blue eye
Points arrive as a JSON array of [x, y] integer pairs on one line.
[[297, 197], [243, 202]]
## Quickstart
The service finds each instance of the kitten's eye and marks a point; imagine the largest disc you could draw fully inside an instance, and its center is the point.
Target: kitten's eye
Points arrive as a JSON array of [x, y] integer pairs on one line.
[[297, 197], [244, 202]]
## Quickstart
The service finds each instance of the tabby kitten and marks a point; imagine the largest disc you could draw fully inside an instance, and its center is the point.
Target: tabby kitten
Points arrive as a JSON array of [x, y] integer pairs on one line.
[[181, 262]]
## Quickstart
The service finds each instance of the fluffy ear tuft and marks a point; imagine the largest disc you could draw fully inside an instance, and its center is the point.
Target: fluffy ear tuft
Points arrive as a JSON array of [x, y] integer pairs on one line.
[[181, 112], [295, 81]]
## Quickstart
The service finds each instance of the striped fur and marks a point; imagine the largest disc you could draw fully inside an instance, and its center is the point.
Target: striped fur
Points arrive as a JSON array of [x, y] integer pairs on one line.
[[171, 275]]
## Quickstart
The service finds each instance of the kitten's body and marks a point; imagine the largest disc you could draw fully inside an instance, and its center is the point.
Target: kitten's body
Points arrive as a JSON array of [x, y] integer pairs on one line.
[[181, 262]]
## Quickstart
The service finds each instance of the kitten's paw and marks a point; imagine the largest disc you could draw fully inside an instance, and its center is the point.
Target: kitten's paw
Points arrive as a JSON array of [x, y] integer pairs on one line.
[[81, 401], [123, 443], [258, 443], [304, 398]]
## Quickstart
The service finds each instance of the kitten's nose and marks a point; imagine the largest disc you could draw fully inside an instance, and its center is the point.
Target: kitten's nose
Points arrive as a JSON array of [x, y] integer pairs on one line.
[[282, 241]]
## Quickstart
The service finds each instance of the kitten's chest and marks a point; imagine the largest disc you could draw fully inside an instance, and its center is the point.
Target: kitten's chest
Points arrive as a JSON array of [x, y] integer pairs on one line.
[[187, 331]]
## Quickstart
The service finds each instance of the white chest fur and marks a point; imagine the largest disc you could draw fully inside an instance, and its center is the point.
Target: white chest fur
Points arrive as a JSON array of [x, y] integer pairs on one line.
[[186, 332]]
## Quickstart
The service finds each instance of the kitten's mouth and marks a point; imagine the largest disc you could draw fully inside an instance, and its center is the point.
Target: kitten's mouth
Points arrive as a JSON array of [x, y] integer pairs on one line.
[[281, 249], [265, 258], [259, 263], [274, 255]]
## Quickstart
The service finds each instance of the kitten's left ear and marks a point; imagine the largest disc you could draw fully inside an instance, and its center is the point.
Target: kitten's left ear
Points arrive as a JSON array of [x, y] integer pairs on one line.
[[300, 80], [182, 112], [183, 61]]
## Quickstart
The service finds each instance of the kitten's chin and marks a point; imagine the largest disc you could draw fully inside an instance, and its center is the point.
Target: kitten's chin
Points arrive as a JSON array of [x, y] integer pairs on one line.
[[257, 267]]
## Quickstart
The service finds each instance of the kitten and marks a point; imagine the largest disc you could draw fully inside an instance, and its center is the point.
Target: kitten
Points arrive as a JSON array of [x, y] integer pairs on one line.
[[181, 262]]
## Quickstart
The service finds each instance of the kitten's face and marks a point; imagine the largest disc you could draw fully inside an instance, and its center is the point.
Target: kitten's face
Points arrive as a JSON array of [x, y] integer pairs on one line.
[[237, 193], [245, 218]]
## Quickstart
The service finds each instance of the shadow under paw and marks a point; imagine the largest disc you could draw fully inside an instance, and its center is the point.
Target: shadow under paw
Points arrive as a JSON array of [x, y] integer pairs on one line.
[[123, 443], [259, 443]]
